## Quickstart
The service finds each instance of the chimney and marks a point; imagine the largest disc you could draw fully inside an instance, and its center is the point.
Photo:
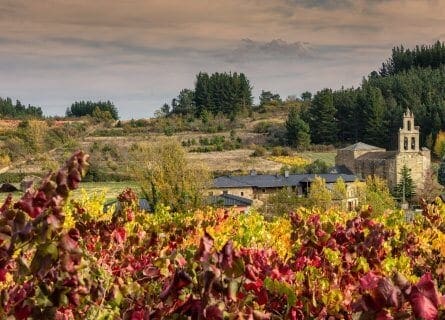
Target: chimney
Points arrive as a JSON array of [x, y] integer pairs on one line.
[[253, 172], [286, 173]]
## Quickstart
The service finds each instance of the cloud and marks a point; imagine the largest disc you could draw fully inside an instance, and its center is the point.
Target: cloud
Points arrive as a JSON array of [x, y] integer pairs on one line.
[[250, 50], [329, 4], [140, 53]]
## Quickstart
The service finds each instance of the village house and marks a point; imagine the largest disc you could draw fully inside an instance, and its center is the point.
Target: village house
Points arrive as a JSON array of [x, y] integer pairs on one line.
[[226, 200], [260, 186], [365, 160]]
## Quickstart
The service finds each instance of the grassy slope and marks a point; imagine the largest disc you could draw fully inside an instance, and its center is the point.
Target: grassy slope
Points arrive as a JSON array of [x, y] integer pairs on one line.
[[234, 160], [328, 157]]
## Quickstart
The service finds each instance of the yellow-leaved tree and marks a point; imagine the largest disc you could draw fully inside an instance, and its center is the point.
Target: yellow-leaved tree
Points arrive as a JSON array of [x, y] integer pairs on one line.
[[339, 192], [166, 176], [319, 195], [439, 144], [375, 192]]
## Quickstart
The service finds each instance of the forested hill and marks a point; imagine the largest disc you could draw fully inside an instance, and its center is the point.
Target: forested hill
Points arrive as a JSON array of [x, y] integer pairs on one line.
[[422, 56], [373, 112], [17, 110]]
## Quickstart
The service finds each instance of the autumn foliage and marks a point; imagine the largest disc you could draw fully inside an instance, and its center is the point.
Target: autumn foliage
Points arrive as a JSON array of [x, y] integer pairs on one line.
[[213, 264]]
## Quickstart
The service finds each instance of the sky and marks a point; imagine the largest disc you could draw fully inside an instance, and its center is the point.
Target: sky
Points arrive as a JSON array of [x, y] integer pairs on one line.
[[141, 53]]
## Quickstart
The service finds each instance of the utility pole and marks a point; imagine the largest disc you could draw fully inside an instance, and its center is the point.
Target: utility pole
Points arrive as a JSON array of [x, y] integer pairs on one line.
[[403, 190], [404, 204]]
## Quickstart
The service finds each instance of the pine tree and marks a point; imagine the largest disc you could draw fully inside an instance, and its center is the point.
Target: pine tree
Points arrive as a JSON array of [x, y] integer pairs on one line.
[[322, 121], [345, 101], [185, 103], [297, 131], [372, 107], [405, 188], [202, 94]]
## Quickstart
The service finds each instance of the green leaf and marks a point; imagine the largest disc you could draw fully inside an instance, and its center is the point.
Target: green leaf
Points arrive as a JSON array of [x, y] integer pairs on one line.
[[41, 299], [44, 257], [117, 296], [232, 290]]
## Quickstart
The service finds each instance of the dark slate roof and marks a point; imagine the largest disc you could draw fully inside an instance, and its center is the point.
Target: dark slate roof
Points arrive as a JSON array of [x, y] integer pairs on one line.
[[229, 200], [359, 146], [229, 182], [330, 177], [378, 155], [276, 181]]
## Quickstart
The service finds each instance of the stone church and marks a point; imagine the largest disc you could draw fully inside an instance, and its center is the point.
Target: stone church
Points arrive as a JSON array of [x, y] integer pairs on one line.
[[363, 160]]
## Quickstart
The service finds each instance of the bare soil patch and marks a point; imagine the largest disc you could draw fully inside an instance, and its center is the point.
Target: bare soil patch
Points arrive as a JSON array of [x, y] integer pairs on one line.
[[234, 160]]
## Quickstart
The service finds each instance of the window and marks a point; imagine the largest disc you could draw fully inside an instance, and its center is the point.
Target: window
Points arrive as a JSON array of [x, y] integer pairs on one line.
[[242, 193], [409, 125], [211, 193], [225, 192], [405, 143], [413, 143], [264, 190]]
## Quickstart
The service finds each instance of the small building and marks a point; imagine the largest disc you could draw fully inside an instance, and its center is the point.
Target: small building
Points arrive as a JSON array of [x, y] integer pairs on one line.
[[365, 160], [143, 205], [227, 200]]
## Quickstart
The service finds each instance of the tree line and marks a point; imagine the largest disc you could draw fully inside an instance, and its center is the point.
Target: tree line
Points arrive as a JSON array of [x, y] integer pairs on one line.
[[99, 108], [18, 111], [373, 112], [219, 93], [422, 56]]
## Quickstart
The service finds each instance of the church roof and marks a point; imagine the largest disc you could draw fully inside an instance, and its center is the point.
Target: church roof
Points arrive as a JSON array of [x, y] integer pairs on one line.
[[361, 146], [383, 155]]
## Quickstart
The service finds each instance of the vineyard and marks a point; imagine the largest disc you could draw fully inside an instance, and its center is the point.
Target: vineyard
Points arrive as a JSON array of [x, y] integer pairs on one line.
[[68, 259]]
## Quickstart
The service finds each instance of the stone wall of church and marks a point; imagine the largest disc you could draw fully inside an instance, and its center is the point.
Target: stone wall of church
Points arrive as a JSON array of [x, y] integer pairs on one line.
[[392, 174], [418, 162], [348, 158], [382, 168], [426, 153], [345, 158]]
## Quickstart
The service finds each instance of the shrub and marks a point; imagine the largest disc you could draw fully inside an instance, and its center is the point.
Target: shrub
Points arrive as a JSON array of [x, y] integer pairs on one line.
[[5, 160], [15, 177], [317, 166], [258, 151], [281, 151], [277, 135], [263, 127]]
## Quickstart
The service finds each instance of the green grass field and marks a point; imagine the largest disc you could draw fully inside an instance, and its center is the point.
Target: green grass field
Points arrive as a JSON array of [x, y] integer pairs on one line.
[[328, 157], [112, 189]]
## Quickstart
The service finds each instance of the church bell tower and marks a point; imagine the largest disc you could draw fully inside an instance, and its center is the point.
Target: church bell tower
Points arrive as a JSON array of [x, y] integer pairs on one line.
[[408, 134]]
